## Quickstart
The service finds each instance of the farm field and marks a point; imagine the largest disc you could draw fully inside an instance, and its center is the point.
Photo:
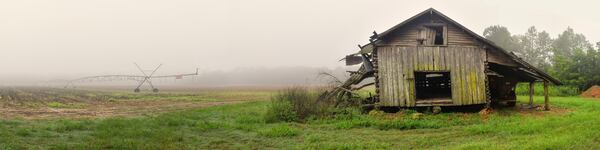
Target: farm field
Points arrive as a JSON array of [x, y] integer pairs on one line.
[[233, 119], [39, 103]]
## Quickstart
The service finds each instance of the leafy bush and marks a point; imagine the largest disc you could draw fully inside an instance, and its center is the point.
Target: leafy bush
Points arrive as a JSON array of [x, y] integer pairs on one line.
[[538, 89], [280, 110], [298, 104]]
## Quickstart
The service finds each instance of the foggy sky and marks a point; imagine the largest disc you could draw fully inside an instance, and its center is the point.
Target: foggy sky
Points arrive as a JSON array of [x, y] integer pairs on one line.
[[71, 38]]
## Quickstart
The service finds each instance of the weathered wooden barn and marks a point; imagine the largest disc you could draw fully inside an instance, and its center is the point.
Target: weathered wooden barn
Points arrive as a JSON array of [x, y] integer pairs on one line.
[[431, 60]]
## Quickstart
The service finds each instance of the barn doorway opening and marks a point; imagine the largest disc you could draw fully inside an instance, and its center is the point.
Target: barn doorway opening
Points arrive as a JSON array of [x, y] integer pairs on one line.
[[433, 86]]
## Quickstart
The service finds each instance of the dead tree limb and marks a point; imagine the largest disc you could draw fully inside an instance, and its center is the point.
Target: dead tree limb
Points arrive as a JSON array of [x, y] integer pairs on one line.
[[363, 86], [340, 91]]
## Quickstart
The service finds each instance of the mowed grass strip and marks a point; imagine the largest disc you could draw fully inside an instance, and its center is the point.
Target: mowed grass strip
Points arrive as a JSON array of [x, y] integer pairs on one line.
[[242, 126]]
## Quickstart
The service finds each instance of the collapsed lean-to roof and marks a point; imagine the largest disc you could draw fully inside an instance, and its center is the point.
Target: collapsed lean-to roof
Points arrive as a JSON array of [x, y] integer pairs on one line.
[[526, 67]]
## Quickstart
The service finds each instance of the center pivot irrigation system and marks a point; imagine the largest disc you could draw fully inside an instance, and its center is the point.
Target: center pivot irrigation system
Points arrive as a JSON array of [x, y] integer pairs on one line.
[[146, 78]]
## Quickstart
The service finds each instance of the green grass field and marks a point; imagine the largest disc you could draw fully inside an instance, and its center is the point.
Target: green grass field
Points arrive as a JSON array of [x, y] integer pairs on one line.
[[574, 123]]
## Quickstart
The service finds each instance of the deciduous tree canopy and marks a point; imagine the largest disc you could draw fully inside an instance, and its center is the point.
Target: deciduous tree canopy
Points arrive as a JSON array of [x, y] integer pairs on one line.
[[570, 57]]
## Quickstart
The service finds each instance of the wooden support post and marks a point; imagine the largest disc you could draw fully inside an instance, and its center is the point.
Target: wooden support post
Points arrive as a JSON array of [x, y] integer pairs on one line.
[[531, 92], [546, 99]]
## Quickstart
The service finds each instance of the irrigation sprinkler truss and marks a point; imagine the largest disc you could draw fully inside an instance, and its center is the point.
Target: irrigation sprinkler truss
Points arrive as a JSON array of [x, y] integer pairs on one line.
[[142, 79]]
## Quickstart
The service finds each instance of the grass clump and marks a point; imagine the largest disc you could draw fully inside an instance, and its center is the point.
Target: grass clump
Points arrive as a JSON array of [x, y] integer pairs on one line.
[[63, 125], [63, 105], [279, 131], [57, 105], [205, 126]]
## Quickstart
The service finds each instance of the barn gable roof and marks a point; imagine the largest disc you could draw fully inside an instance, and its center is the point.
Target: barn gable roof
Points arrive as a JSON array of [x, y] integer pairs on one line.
[[529, 69]]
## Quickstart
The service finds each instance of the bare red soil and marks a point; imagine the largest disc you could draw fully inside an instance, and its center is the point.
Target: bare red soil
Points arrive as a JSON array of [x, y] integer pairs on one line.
[[592, 92]]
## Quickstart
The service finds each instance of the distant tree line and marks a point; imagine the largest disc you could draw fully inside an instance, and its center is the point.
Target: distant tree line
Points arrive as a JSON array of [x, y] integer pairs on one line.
[[268, 76], [570, 57]]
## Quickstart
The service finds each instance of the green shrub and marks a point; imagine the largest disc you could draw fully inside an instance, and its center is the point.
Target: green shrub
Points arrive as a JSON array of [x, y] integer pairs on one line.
[[280, 110], [301, 104], [538, 89], [297, 104], [301, 99]]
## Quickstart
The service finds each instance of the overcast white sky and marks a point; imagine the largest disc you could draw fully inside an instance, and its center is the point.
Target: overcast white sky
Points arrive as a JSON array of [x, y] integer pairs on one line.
[[52, 38]]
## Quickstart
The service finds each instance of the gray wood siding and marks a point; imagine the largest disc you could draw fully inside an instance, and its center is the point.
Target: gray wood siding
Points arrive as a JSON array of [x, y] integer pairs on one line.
[[397, 64], [408, 35], [495, 56]]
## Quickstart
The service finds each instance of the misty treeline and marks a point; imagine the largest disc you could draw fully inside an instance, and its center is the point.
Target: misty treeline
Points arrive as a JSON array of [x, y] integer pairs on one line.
[[569, 57], [269, 76]]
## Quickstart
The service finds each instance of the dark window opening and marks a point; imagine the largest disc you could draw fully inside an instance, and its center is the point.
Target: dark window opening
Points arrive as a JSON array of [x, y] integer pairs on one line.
[[439, 35], [432, 35], [433, 85]]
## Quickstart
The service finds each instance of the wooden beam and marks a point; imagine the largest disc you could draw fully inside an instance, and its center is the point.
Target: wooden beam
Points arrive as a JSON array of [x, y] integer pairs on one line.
[[531, 94], [546, 99]]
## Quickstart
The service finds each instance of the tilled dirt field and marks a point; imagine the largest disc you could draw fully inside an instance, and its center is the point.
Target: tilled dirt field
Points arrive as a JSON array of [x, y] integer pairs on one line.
[[43, 103]]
